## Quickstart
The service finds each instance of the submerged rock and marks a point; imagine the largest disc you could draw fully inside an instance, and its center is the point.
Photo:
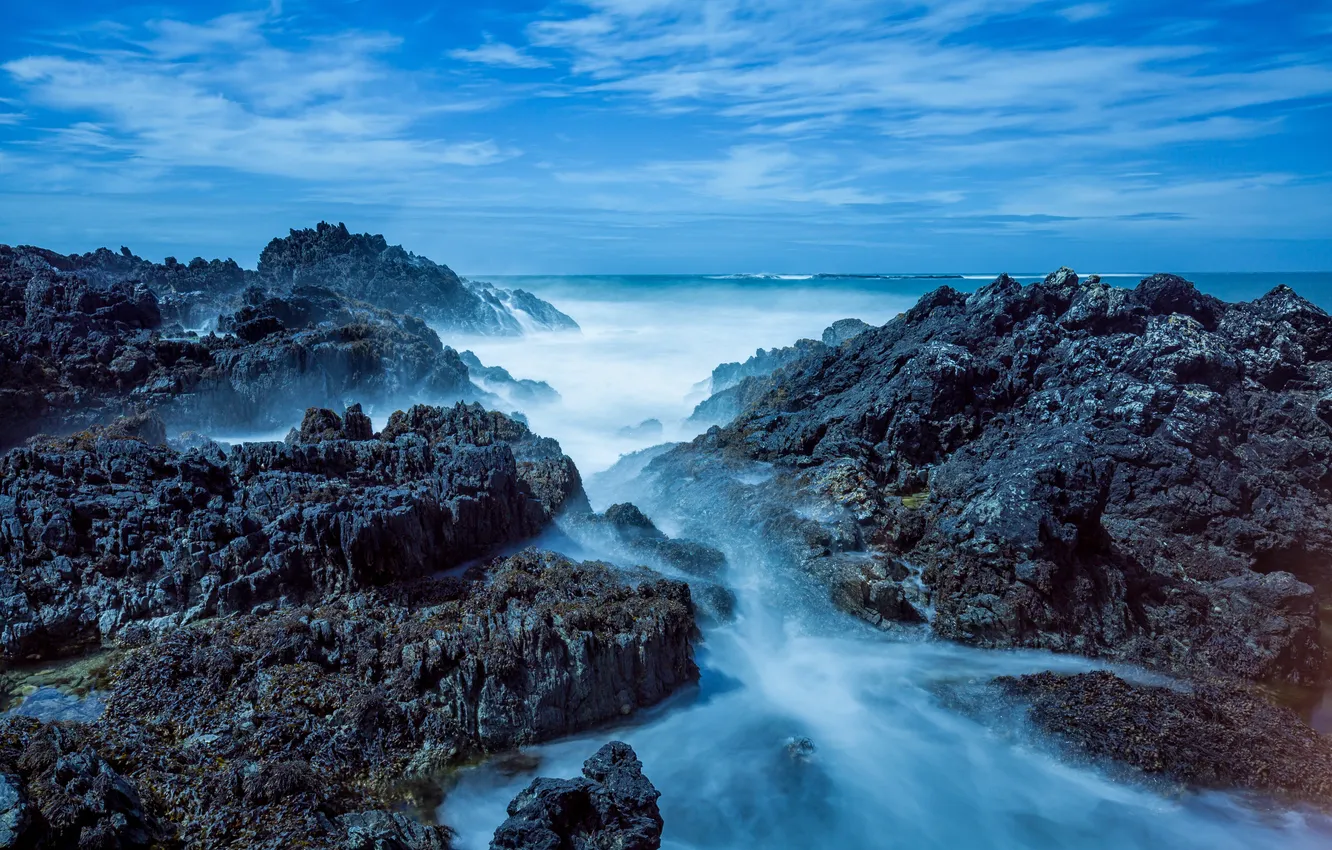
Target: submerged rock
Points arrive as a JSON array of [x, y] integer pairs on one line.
[[1133, 474], [104, 530], [1204, 734], [612, 806]]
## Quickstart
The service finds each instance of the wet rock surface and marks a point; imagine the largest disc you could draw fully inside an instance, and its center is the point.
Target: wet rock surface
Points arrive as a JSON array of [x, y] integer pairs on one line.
[[107, 529], [309, 725], [612, 806], [1137, 474], [366, 267], [1213, 735]]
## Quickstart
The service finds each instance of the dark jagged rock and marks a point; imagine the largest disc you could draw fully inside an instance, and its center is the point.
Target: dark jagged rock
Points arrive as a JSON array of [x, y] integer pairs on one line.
[[520, 392], [734, 387], [518, 302], [366, 267], [730, 392], [612, 806], [1206, 734], [1136, 474], [191, 294], [629, 537], [842, 330], [103, 530], [550, 474], [57, 791], [624, 527], [305, 727], [74, 353]]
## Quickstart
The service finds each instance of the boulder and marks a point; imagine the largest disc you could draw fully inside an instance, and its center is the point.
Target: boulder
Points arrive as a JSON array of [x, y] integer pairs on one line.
[[612, 806]]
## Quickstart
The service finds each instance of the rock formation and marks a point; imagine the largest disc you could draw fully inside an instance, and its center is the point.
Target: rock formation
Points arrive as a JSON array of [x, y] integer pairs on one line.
[[517, 392], [304, 726], [612, 806], [1208, 734], [106, 528], [74, 352], [1137, 474], [366, 267], [733, 387]]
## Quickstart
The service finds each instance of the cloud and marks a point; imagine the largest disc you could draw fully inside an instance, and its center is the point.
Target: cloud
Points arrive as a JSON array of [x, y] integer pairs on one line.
[[912, 70], [1084, 12], [226, 94], [499, 55]]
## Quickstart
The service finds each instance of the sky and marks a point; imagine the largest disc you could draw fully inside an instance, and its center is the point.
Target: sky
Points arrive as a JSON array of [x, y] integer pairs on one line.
[[665, 136]]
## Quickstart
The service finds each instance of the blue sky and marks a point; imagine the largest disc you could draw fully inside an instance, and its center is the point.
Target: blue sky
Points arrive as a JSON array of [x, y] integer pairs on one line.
[[667, 136]]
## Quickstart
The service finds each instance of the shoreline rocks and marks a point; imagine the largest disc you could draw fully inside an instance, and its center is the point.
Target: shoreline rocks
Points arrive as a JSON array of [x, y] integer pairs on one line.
[[1204, 734], [1128, 474], [328, 317], [105, 529], [309, 724]]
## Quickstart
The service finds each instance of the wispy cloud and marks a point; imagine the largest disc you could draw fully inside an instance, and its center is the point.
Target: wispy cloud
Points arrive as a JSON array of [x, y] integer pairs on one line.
[[224, 94], [775, 123], [500, 55]]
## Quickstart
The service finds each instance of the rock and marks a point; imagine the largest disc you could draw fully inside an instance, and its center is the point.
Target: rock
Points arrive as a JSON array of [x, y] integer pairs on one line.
[[14, 816], [366, 267], [1134, 474], [76, 351], [733, 386], [842, 330], [56, 791], [1205, 734], [625, 527], [313, 726], [103, 531], [522, 393], [648, 429], [613, 805]]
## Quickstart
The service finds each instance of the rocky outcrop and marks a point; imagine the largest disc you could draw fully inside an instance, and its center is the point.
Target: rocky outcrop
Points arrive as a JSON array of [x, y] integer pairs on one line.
[[190, 295], [57, 791], [75, 352], [1137, 474], [842, 330], [626, 527], [366, 267], [307, 726], [734, 387], [1207, 734], [517, 392], [648, 429], [627, 536], [612, 805], [107, 529]]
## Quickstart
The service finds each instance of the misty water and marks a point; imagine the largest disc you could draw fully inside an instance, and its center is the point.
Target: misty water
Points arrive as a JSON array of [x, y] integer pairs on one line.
[[808, 728]]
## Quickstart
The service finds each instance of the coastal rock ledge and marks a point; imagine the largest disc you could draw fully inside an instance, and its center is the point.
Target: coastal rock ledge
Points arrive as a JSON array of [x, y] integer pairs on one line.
[[312, 727]]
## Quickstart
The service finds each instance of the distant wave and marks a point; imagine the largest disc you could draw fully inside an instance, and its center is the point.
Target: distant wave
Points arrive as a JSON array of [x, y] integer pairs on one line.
[[760, 276], [835, 276]]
